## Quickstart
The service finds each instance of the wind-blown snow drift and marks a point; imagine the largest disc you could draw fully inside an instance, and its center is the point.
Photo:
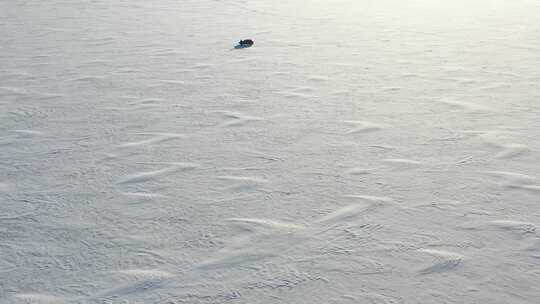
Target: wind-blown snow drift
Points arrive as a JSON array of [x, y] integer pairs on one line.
[[360, 152]]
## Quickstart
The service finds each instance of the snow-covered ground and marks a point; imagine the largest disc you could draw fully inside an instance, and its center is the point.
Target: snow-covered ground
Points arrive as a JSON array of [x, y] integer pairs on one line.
[[360, 152]]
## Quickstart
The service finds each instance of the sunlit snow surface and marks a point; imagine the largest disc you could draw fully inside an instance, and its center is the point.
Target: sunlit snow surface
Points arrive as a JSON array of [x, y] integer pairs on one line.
[[360, 152]]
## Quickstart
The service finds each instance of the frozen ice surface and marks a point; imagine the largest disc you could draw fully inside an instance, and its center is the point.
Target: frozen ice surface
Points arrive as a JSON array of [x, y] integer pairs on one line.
[[360, 152]]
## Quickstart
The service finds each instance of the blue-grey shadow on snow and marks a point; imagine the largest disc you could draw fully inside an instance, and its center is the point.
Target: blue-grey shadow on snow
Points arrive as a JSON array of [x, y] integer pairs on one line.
[[242, 46]]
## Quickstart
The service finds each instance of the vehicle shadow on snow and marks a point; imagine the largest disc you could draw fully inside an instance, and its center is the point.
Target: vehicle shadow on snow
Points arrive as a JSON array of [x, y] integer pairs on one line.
[[241, 46]]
